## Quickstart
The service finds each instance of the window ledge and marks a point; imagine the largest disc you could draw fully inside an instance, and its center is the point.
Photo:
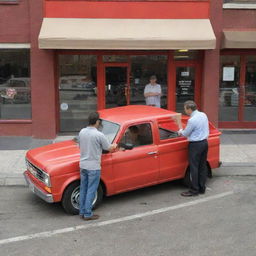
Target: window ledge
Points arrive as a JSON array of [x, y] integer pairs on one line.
[[9, 2], [239, 6], [16, 121]]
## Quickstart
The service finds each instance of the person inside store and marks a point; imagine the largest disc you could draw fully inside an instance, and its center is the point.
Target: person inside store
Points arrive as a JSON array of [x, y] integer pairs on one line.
[[197, 132], [153, 92]]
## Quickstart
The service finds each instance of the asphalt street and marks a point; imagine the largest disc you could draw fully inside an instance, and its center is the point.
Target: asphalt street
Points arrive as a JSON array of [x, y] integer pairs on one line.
[[221, 222]]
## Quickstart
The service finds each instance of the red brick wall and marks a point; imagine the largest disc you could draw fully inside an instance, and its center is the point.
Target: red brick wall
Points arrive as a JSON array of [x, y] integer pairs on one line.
[[14, 22], [241, 19]]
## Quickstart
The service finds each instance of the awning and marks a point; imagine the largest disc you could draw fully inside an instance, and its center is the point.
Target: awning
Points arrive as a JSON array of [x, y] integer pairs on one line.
[[239, 39], [128, 34]]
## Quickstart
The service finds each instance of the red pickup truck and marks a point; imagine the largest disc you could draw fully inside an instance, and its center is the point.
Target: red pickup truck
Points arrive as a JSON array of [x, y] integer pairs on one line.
[[150, 152]]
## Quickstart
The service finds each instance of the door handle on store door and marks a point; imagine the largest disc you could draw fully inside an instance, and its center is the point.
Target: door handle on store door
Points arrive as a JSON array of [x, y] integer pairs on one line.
[[152, 153]]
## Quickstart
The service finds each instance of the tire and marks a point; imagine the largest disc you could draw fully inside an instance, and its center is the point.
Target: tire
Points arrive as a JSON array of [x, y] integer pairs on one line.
[[186, 180], [70, 198]]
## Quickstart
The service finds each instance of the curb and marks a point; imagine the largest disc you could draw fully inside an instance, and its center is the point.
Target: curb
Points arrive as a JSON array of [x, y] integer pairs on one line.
[[226, 169], [16, 179]]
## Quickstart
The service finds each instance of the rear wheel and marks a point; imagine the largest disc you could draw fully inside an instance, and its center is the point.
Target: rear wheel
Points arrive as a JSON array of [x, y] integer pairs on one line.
[[187, 181], [70, 199]]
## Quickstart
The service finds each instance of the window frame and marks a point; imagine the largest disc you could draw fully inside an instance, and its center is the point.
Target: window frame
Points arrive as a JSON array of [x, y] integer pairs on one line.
[[6, 2], [239, 4]]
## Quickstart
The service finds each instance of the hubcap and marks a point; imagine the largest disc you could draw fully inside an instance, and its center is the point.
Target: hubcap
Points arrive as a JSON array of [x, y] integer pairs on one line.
[[75, 198]]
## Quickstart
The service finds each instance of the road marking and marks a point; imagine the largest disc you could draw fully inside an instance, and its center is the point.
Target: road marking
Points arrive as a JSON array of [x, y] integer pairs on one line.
[[113, 221]]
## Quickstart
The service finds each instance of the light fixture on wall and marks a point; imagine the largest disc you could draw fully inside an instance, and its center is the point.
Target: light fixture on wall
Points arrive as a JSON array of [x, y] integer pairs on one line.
[[183, 50]]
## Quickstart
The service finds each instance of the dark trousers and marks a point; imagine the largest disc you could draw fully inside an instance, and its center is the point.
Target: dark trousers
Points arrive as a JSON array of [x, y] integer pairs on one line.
[[198, 165]]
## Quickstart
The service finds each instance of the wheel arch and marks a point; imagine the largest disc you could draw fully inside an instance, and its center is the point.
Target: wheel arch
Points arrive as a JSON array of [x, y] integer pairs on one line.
[[104, 188]]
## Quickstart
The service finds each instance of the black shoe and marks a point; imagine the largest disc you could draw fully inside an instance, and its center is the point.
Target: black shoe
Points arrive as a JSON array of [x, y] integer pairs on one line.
[[202, 191], [189, 193], [93, 217]]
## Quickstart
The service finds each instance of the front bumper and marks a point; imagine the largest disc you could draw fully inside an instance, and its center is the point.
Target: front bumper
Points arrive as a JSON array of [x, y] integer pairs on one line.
[[37, 191]]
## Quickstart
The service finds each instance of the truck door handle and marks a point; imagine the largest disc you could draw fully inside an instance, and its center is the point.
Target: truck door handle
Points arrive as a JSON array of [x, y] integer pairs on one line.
[[152, 153]]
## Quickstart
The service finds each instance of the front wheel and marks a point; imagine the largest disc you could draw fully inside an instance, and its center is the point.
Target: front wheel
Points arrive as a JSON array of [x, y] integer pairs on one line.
[[70, 199]]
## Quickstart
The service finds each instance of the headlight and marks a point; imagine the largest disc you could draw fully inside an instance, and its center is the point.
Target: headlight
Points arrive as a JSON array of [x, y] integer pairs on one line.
[[38, 173], [47, 180]]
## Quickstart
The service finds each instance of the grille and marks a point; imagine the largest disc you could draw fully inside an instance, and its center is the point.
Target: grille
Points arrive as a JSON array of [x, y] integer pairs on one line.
[[35, 171]]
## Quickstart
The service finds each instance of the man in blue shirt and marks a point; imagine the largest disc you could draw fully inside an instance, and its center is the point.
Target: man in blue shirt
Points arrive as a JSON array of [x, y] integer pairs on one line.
[[197, 132]]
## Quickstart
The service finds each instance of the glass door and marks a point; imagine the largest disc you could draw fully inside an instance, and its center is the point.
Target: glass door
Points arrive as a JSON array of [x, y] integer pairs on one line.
[[249, 110], [187, 84], [116, 86], [77, 90], [237, 98], [229, 88]]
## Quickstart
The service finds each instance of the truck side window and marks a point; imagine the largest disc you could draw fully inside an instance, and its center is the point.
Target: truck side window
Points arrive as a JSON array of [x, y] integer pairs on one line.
[[138, 135], [167, 129]]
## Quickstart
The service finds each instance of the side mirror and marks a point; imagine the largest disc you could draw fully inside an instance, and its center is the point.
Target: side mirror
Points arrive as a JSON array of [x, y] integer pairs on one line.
[[127, 146]]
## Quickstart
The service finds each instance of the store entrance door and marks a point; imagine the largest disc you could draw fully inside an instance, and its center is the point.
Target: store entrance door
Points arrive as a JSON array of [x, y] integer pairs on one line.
[[187, 83], [116, 85]]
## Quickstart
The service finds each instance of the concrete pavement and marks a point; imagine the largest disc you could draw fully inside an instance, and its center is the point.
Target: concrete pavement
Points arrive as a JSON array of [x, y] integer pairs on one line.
[[238, 151], [146, 222]]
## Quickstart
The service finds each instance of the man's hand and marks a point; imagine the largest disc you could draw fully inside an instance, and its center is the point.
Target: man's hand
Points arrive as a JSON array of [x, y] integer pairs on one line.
[[177, 120], [113, 147]]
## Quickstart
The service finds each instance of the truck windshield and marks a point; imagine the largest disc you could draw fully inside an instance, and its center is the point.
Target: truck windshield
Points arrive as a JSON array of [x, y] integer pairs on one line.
[[109, 129]]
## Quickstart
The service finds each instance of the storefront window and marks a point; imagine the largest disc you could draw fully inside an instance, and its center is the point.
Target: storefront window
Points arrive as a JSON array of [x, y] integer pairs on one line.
[[142, 67], [77, 90], [185, 86], [229, 88], [15, 96], [115, 58], [250, 89]]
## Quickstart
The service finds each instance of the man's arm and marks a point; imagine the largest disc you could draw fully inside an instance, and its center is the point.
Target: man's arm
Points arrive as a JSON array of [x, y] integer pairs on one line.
[[150, 94], [177, 119], [188, 130], [106, 145]]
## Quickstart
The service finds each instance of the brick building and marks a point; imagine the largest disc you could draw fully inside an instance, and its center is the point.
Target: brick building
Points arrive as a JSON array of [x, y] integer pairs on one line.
[[61, 59]]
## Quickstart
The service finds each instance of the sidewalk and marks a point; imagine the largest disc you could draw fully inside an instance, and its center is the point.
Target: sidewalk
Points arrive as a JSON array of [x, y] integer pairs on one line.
[[238, 155]]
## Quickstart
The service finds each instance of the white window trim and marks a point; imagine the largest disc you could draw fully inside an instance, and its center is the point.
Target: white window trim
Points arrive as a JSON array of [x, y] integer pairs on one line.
[[14, 46], [239, 6]]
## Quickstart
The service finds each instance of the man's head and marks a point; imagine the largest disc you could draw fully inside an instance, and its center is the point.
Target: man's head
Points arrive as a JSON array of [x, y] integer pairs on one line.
[[94, 119], [189, 107], [153, 79]]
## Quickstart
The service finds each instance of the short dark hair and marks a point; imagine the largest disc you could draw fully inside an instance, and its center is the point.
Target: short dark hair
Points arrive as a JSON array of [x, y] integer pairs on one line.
[[190, 104], [93, 118], [153, 77]]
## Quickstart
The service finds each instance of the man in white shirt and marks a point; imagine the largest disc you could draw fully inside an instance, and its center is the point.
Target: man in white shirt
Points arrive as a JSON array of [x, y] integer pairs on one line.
[[153, 92], [197, 132]]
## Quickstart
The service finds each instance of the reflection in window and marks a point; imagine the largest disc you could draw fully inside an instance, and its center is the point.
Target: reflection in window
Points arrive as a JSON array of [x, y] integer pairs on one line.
[[109, 129], [142, 67], [185, 86], [77, 90], [229, 88], [250, 89], [15, 96], [138, 135]]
